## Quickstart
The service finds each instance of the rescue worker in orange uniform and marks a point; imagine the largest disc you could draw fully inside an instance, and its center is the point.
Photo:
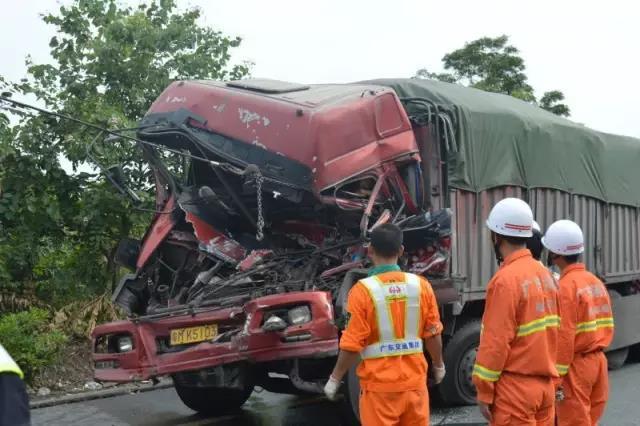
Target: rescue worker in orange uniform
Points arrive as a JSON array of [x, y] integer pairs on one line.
[[393, 317], [515, 366], [585, 330]]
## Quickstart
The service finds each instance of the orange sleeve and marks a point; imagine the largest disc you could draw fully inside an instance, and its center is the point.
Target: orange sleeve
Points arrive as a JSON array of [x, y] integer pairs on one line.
[[430, 314], [568, 319], [360, 312], [499, 328]]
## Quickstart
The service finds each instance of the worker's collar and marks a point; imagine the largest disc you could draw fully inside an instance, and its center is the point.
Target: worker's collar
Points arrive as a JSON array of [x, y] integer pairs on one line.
[[381, 269], [518, 254], [573, 267]]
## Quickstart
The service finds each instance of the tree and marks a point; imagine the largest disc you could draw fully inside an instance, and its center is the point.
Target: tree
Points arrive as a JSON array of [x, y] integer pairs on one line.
[[493, 65], [443, 76], [110, 62], [551, 102]]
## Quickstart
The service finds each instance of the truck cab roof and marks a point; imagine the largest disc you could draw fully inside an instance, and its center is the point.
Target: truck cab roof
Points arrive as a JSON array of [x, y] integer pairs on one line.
[[336, 131]]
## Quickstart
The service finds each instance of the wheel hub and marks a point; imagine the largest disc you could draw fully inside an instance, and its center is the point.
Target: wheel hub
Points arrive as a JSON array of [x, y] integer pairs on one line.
[[465, 372]]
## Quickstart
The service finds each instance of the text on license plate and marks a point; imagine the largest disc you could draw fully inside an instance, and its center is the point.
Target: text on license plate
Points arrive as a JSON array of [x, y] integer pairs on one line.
[[182, 336]]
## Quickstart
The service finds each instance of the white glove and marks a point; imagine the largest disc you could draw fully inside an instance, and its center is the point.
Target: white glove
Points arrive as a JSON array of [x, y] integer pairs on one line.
[[331, 388], [438, 373]]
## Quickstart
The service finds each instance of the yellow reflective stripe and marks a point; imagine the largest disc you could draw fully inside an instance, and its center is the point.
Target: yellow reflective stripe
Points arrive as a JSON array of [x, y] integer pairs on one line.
[[562, 369], [486, 374], [541, 324], [7, 364], [605, 322], [593, 325], [11, 368]]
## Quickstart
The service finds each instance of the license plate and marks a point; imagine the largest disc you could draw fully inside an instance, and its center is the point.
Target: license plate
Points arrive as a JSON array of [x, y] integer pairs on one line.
[[183, 336]]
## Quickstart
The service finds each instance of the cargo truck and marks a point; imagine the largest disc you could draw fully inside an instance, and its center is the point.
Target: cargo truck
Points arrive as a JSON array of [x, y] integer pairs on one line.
[[241, 278]]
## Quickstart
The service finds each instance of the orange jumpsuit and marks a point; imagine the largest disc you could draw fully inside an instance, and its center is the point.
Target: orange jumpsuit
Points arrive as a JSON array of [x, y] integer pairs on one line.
[[394, 390], [586, 329], [515, 366]]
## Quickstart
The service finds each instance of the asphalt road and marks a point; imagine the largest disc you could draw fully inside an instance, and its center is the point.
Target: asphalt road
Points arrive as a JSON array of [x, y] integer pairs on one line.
[[163, 408]]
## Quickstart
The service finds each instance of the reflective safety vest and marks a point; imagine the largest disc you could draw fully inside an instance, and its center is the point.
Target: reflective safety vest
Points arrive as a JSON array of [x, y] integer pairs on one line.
[[7, 364], [382, 295]]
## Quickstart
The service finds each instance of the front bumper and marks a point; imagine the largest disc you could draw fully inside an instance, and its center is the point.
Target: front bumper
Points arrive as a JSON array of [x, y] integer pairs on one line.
[[150, 358]]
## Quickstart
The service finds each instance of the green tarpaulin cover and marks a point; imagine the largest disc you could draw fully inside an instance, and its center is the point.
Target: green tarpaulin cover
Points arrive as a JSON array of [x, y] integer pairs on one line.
[[501, 141]]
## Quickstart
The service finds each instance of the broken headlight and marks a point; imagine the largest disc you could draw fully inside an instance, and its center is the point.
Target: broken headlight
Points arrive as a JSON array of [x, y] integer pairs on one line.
[[125, 344], [299, 315]]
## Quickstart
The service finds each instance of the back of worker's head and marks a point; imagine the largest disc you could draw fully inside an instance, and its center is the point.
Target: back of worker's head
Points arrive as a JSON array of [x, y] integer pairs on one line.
[[511, 223], [534, 243], [565, 243], [386, 242]]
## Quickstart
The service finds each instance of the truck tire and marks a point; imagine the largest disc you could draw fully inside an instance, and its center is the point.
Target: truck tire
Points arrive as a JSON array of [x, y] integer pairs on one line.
[[616, 359], [212, 401], [351, 402], [457, 387], [634, 353]]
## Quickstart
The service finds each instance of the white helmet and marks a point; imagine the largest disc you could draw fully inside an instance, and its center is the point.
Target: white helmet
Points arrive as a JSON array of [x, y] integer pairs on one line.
[[536, 226], [564, 237], [511, 217]]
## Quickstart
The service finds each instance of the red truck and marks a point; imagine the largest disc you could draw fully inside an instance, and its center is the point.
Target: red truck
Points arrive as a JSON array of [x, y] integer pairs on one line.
[[242, 277]]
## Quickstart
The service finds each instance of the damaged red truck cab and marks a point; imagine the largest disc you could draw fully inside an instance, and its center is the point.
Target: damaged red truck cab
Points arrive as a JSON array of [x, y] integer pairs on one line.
[[242, 277]]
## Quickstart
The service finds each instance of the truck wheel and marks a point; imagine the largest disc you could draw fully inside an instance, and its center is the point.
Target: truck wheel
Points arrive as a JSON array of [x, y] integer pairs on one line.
[[213, 401], [634, 353], [457, 388], [351, 402], [617, 358]]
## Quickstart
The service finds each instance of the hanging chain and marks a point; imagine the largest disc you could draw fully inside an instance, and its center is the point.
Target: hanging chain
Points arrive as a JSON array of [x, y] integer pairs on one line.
[[260, 224]]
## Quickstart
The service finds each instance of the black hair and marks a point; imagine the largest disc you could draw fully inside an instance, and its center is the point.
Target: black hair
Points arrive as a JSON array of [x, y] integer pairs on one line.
[[386, 240], [516, 241], [534, 244], [571, 259]]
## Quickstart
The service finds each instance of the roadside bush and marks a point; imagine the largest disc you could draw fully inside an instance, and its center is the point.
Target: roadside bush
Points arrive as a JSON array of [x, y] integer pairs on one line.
[[31, 341]]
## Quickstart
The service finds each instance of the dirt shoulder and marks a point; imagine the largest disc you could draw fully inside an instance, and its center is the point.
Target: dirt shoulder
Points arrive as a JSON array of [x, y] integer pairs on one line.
[[69, 374], [70, 379]]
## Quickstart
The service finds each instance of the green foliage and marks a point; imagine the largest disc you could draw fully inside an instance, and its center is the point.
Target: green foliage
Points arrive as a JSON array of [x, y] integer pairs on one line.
[[551, 102], [28, 337], [493, 65], [59, 227]]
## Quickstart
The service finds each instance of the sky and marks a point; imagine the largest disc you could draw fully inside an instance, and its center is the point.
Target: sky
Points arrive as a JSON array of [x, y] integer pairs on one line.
[[587, 49]]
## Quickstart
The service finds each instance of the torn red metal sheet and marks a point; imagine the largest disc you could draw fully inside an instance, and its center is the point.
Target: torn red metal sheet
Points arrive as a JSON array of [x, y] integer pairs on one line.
[[256, 256], [162, 225], [215, 241]]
